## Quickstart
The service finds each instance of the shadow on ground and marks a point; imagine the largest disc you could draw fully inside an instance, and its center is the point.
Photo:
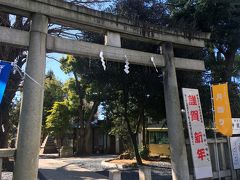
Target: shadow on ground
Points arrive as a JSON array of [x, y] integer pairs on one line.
[[88, 168]]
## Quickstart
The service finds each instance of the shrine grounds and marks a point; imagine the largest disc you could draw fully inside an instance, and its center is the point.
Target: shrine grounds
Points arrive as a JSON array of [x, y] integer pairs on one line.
[[51, 167]]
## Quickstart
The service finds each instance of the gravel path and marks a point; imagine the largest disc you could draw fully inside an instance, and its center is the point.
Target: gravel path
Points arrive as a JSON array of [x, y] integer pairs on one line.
[[161, 170], [92, 163]]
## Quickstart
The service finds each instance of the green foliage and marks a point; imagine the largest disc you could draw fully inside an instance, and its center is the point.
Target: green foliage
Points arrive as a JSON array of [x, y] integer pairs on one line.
[[145, 90], [53, 92], [69, 89], [146, 11], [58, 122], [144, 152], [84, 96], [96, 85], [13, 120], [221, 19]]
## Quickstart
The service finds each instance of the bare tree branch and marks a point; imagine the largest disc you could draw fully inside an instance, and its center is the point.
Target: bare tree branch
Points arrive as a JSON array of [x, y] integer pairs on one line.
[[55, 59]]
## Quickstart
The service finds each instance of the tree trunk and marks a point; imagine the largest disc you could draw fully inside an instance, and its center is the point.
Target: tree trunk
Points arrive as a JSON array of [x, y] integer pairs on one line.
[[142, 121], [84, 137], [81, 132], [81, 139], [135, 146], [143, 132], [134, 141], [130, 131], [88, 139], [88, 128]]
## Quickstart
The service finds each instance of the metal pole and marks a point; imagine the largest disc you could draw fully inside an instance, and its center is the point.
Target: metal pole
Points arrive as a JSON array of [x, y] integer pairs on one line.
[[177, 143], [28, 144], [215, 135]]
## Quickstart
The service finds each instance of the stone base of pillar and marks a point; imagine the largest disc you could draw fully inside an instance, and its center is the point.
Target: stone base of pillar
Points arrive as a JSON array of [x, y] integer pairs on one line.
[[66, 151], [115, 175], [145, 173]]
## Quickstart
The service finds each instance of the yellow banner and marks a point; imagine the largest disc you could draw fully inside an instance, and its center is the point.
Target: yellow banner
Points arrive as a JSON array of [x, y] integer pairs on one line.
[[222, 111]]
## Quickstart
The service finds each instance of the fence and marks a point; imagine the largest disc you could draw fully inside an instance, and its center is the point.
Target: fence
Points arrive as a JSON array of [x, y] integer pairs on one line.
[[3, 154], [221, 159]]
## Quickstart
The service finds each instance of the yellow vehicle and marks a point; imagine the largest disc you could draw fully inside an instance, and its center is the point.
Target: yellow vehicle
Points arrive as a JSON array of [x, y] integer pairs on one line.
[[157, 140]]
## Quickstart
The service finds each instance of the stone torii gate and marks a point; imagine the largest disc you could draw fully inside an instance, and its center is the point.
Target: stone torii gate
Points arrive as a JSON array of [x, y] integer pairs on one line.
[[38, 41]]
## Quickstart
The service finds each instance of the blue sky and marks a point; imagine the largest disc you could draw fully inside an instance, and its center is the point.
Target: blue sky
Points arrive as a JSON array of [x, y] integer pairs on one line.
[[54, 65]]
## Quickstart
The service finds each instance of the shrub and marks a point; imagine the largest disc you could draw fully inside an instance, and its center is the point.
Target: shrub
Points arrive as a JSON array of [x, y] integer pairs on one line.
[[144, 152]]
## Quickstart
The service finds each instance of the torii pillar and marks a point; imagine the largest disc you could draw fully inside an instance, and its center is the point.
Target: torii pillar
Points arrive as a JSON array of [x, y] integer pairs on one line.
[[28, 142], [180, 170]]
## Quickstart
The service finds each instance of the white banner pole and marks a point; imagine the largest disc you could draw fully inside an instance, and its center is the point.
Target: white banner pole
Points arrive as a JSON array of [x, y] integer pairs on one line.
[[215, 136]]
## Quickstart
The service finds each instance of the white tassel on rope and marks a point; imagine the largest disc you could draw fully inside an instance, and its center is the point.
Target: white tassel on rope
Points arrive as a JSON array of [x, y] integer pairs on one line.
[[16, 68], [126, 67], [154, 64], [102, 60], [3, 129]]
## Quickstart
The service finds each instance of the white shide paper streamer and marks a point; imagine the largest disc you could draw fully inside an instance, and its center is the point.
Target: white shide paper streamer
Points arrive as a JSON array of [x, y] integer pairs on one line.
[[102, 60], [126, 67], [154, 64]]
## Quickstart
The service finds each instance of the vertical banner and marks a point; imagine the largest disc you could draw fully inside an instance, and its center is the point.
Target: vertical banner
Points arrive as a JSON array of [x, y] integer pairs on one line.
[[235, 147], [197, 134], [5, 69], [222, 111]]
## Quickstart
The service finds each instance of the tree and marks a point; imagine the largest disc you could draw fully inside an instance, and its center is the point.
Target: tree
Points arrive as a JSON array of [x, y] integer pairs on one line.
[[221, 18], [142, 85], [105, 83], [58, 121], [135, 98], [129, 105], [53, 93], [142, 11], [88, 102]]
